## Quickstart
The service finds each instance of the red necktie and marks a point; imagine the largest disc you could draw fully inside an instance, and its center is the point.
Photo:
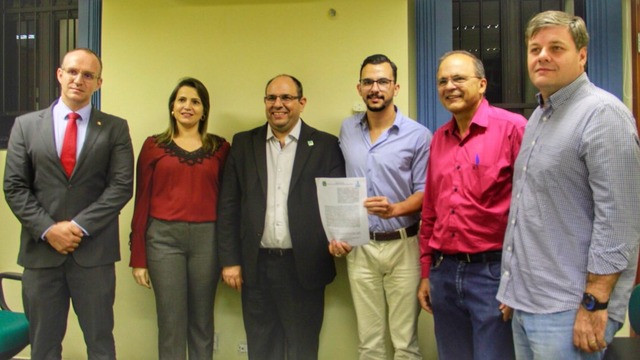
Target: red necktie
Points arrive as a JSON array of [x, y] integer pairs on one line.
[[68, 153]]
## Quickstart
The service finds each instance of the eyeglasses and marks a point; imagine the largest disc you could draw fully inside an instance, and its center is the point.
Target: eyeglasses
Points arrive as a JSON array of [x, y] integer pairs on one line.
[[86, 76], [383, 83], [285, 99], [456, 80]]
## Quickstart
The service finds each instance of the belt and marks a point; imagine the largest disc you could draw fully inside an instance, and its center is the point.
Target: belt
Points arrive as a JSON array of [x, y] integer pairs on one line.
[[395, 235], [276, 251], [483, 257]]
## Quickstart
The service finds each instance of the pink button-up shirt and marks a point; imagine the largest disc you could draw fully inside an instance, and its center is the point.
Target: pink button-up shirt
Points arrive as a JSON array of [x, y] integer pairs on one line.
[[468, 186]]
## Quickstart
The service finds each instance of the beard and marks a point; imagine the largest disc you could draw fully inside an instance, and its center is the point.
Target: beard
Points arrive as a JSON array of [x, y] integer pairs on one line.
[[378, 107]]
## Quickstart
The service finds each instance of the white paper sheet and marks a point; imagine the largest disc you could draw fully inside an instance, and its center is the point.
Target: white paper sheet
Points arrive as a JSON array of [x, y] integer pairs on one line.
[[342, 210]]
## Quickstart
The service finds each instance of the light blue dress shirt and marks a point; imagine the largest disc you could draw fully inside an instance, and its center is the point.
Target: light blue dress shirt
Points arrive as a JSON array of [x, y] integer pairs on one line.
[[394, 166]]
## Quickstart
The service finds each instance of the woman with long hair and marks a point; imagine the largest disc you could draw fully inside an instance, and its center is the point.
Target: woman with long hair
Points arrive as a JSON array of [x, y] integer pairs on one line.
[[172, 239]]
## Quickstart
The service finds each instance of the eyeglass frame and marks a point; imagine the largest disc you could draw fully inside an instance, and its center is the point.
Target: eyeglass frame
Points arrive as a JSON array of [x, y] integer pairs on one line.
[[86, 76], [285, 98], [456, 80], [365, 83]]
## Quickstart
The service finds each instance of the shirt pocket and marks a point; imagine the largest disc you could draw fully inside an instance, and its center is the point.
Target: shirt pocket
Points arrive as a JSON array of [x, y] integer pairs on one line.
[[478, 180]]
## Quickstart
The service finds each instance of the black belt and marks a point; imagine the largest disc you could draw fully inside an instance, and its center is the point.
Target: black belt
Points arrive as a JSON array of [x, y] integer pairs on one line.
[[395, 235], [276, 251], [483, 257]]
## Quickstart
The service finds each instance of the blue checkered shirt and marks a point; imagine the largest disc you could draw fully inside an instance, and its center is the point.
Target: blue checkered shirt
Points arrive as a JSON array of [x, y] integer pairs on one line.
[[575, 203]]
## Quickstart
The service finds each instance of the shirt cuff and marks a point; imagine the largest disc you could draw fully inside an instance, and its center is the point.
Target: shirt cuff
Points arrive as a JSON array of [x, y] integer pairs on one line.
[[85, 232]]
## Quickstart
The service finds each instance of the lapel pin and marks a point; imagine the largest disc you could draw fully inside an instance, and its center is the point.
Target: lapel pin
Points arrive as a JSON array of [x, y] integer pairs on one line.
[[310, 142], [99, 123]]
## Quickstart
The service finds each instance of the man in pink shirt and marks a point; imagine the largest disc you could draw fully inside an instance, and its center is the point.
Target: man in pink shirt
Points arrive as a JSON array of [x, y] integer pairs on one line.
[[464, 215]]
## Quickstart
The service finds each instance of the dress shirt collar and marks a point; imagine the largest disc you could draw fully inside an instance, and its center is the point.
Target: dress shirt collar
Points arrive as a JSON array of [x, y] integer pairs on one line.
[[364, 124], [61, 110], [294, 134], [480, 118], [563, 95]]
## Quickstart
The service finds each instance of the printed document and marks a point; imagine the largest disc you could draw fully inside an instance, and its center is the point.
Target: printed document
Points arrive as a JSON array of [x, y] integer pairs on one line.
[[342, 210]]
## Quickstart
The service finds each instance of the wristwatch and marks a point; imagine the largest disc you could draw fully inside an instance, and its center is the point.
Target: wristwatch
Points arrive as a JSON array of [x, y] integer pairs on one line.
[[590, 303]]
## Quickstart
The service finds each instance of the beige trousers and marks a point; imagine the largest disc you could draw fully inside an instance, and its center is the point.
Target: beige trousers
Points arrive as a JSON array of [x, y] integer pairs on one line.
[[384, 277]]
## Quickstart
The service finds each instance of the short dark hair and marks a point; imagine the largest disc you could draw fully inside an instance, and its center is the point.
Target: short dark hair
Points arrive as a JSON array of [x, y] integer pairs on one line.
[[293, 78], [380, 59]]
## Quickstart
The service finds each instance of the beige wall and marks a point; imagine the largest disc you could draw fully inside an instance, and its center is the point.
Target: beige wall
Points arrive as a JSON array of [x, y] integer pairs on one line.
[[234, 47]]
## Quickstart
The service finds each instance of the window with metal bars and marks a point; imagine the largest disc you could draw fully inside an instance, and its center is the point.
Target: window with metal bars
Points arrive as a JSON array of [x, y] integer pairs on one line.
[[493, 30], [35, 36]]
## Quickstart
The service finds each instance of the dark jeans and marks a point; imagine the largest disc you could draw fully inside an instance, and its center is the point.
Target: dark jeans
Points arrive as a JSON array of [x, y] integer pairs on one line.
[[468, 322]]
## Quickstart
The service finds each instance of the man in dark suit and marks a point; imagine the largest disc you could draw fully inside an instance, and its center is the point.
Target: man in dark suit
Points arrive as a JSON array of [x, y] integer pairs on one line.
[[68, 174], [271, 243]]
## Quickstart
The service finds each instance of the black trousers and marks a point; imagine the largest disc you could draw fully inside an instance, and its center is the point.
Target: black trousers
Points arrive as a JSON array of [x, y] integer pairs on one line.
[[280, 315]]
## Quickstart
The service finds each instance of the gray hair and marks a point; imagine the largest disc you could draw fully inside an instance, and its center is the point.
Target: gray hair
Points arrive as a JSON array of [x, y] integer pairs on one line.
[[477, 63]]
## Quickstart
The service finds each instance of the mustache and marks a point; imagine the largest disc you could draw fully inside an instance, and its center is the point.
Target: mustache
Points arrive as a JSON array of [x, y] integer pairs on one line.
[[375, 96]]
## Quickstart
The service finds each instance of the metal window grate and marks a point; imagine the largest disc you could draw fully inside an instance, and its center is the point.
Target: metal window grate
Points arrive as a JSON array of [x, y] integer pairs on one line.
[[493, 30], [35, 34]]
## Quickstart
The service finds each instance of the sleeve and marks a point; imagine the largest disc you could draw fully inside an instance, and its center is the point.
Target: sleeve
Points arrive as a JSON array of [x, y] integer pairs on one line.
[[428, 217], [18, 184], [420, 161], [612, 155], [119, 182], [229, 210], [516, 137], [223, 153], [144, 185], [337, 161]]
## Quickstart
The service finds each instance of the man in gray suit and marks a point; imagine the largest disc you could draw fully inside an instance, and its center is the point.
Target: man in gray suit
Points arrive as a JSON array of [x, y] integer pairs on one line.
[[68, 174]]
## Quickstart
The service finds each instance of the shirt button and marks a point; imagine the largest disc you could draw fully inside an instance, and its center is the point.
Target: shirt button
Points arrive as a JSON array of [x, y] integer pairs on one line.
[[455, 189], [509, 248], [513, 221], [524, 168], [457, 167], [453, 211], [506, 273], [518, 196], [533, 142], [453, 234]]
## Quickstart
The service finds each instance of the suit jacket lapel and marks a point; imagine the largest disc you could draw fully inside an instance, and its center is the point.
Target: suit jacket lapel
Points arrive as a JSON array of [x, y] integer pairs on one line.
[[94, 128], [303, 151], [260, 155], [47, 137]]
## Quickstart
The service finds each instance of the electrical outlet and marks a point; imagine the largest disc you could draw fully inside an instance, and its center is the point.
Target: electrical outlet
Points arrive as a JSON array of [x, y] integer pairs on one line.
[[216, 338], [242, 347]]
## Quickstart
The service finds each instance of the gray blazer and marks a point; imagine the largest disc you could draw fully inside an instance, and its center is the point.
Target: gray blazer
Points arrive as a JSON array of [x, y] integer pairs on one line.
[[39, 193]]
